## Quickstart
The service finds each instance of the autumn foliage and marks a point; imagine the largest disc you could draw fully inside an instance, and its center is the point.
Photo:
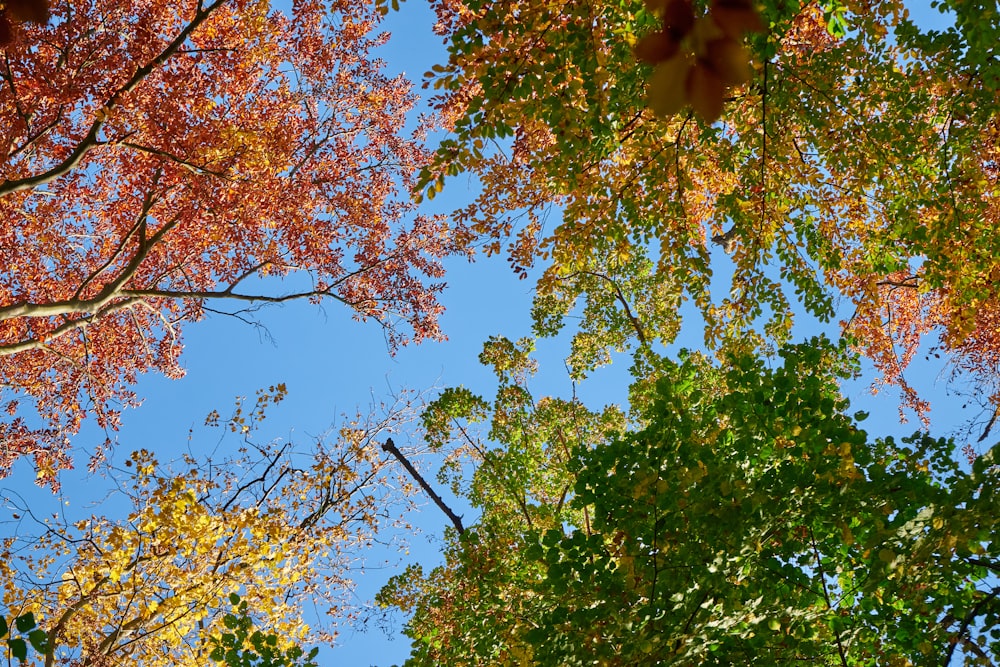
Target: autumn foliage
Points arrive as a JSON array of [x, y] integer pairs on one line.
[[281, 525], [857, 149], [164, 159], [738, 165]]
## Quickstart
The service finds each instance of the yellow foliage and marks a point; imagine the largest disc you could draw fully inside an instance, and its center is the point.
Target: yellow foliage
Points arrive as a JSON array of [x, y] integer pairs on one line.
[[150, 589]]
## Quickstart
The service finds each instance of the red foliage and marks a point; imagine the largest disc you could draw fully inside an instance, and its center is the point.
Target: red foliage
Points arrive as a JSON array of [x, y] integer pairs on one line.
[[161, 154]]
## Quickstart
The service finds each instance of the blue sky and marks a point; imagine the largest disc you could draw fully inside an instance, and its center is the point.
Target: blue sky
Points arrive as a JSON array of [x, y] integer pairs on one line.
[[332, 364]]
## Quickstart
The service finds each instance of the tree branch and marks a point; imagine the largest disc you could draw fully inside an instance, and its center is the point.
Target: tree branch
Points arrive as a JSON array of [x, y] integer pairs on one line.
[[826, 596], [190, 166], [966, 622], [391, 448], [89, 141], [621, 299]]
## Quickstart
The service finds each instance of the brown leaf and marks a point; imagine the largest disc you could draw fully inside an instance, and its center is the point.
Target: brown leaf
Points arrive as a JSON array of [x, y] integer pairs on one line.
[[736, 20], [35, 11], [706, 92], [678, 18], [6, 30], [730, 4], [655, 48], [666, 87], [729, 60]]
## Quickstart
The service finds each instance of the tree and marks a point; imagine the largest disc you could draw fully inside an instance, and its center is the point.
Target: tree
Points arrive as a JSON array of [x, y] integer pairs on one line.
[[749, 519], [281, 527], [163, 159], [517, 449], [857, 162]]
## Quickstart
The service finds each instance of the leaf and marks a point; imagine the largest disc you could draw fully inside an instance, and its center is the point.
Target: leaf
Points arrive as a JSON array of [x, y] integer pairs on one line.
[[656, 47], [39, 640], [706, 92], [25, 622], [728, 60], [667, 87], [35, 11], [18, 648]]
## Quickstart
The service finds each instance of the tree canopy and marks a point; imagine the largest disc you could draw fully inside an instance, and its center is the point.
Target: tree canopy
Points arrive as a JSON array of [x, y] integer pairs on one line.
[[857, 162], [736, 167], [164, 161], [279, 525], [751, 519]]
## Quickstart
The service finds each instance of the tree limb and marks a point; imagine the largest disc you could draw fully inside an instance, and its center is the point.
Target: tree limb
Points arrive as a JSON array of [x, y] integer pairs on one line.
[[391, 448], [89, 141], [633, 320]]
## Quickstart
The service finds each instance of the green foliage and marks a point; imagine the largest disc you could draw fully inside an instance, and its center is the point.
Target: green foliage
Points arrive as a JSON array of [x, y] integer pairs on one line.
[[516, 447], [26, 626], [763, 522], [857, 164], [243, 646], [752, 519]]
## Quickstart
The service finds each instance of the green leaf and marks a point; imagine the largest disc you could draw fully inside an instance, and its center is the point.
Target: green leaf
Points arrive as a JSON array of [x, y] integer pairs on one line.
[[25, 622], [18, 648], [40, 640]]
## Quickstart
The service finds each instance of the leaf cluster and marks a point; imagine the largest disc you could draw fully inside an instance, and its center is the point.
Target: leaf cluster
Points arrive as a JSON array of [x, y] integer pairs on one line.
[[856, 163], [242, 646], [750, 516], [28, 629]]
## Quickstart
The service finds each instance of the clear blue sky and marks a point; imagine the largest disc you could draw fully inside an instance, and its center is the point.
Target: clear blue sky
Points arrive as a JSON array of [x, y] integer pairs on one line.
[[332, 364]]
